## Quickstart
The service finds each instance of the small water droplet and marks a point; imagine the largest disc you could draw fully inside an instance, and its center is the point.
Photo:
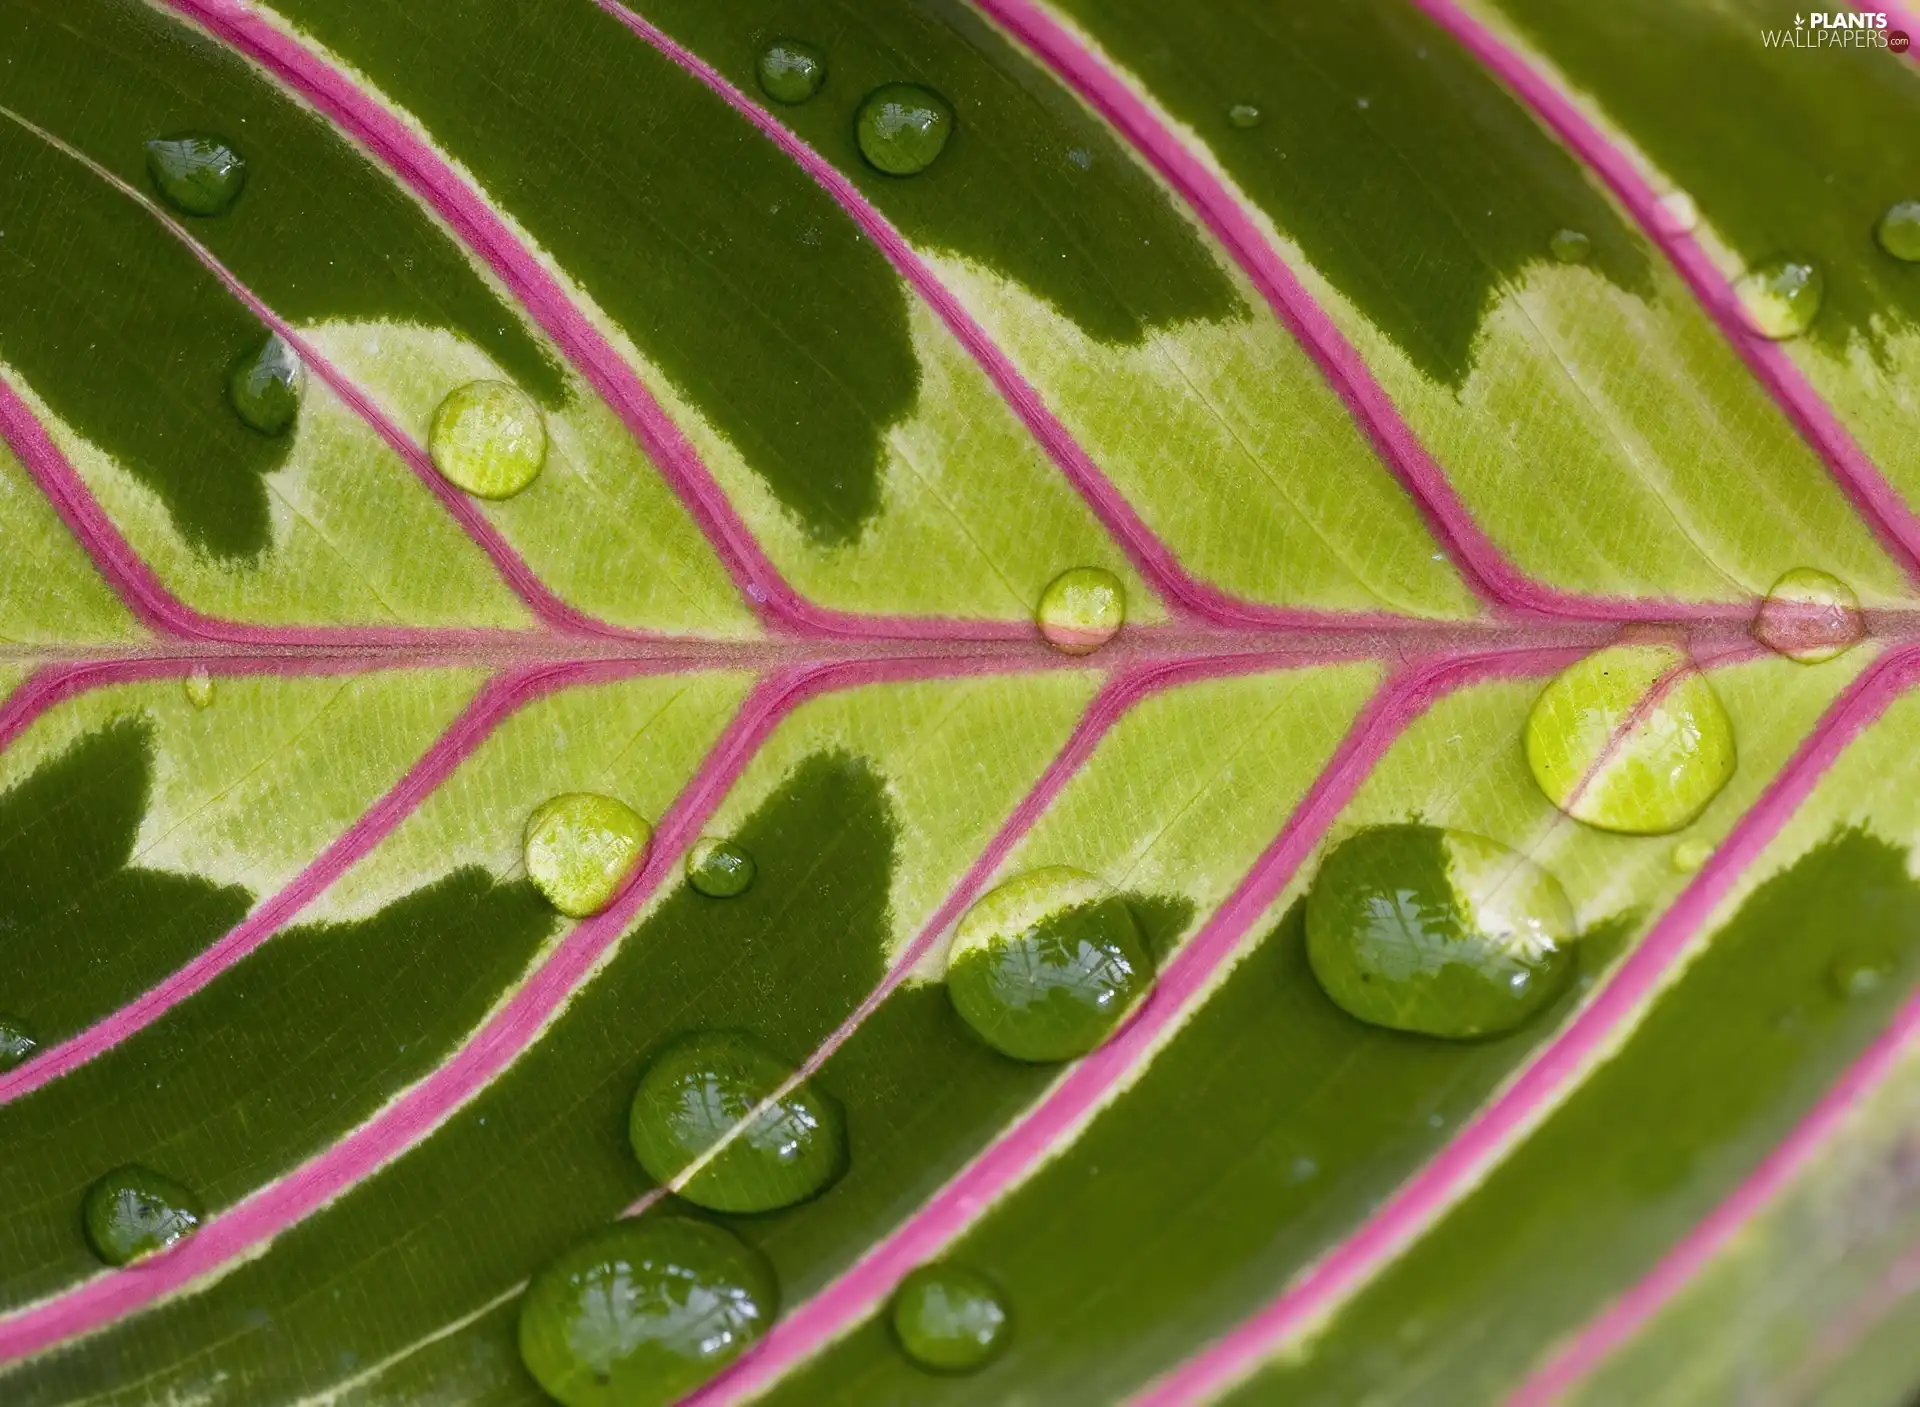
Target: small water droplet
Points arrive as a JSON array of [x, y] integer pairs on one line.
[[1690, 854], [902, 128], [1244, 115], [1081, 610], [195, 173], [1810, 617], [702, 1088], [1047, 965], [1303, 1169], [950, 1319], [264, 387], [791, 70], [17, 1043], [1631, 739], [581, 848], [1681, 213], [1898, 231], [1082, 159], [199, 687], [1782, 297], [644, 1312], [719, 869], [488, 438], [1570, 247], [1859, 974], [134, 1211]]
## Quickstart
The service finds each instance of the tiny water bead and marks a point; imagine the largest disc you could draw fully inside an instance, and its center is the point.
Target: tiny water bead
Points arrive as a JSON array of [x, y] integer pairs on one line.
[[581, 848], [902, 128], [488, 438], [702, 1088], [1570, 247], [264, 387], [719, 869], [1631, 739], [644, 1312], [1689, 855], [1782, 297], [135, 1211], [1898, 231], [791, 71], [199, 687], [1437, 932], [195, 173], [17, 1043], [1244, 116], [1044, 967], [950, 1319], [1081, 610], [1680, 211], [1810, 617]]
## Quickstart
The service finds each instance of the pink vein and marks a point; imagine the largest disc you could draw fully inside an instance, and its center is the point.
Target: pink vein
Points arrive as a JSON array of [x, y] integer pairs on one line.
[[1424, 1197], [1080, 1091], [1873, 497]]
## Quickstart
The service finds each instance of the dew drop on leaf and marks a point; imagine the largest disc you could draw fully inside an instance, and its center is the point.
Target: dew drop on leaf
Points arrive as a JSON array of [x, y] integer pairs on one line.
[[1047, 965], [199, 687], [1680, 211], [720, 869], [488, 438], [1810, 617], [17, 1043], [1859, 974], [195, 173], [581, 848], [1689, 855], [1244, 115], [1570, 247], [1782, 297], [1081, 610], [135, 1211], [902, 128], [791, 71], [643, 1312], [264, 387], [1898, 231], [950, 1319]]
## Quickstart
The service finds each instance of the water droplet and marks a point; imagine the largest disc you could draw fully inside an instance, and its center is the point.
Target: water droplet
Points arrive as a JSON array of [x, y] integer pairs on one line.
[[1047, 965], [198, 686], [17, 1044], [1081, 610], [1681, 213], [950, 1319], [488, 438], [643, 1312], [1781, 297], [135, 1211], [264, 387], [903, 127], [1244, 115], [195, 173], [1437, 932], [1859, 974], [719, 869], [1898, 231], [1632, 739], [1570, 247], [581, 848], [1690, 854], [1810, 617], [701, 1088], [791, 70]]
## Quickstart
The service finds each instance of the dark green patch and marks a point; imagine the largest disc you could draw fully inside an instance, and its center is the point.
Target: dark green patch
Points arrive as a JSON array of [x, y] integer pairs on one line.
[[1163, 921]]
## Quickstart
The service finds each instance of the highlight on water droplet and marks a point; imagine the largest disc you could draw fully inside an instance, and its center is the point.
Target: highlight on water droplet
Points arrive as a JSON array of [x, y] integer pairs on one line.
[[1081, 610], [701, 1090], [17, 1043], [641, 1313], [1898, 231], [950, 1319], [720, 869], [198, 686], [195, 173], [902, 128], [1859, 973], [1810, 617], [1680, 212], [581, 848], [1690, 854], [1631, 739], [1570, 247], [1244, 116], [1047, 965], [1437, 931], [1782, 297], [134, 1211], [264, 386], [791, 70], [488, 438]]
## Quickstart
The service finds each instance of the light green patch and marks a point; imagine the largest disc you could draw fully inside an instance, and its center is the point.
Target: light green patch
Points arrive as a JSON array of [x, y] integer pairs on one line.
[[50, 592], [1876, 392], [1505, 897]]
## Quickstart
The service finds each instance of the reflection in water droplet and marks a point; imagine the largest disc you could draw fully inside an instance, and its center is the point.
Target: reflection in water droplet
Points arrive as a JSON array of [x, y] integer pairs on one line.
[[1810, 616], [1570, 247], [1047, 965], [1081, 610], [719, 869], [701, 1088], [791, 71], [488, 438], [1690, 854], [1436, 931], [134, 1211], [264, 387], [902, 128], [1782, 298], [1680, 211], [1244, 115], [581, 848], [17, 1044], [950, 1319], [1898, 231], [199, 687], [1632, 739], [643, 1312], [195, 173]]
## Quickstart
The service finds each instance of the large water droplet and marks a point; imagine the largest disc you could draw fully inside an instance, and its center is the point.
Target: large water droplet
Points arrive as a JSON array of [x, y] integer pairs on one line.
[[703, 1087], [1810, 616], [17, 1043], [1244, 116], [1437, 931], [1570, 247], [264, 387], [195, 173], [1047, 965], [950, 1319], [135, 1211], [488, 438], [902, 128], [1632, 739], [1898, 231], [1782, 297], [198, 687], [581, 848], [791, 71], [719, 869], [643, 1312], [1081, 610]]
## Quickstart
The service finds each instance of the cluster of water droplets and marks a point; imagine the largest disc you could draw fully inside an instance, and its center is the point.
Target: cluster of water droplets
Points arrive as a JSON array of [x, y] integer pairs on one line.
[[900, 128]]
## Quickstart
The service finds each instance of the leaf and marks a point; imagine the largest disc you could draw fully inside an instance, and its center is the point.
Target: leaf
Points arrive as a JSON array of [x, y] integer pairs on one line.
[[1277, 316]]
